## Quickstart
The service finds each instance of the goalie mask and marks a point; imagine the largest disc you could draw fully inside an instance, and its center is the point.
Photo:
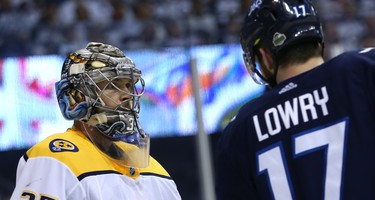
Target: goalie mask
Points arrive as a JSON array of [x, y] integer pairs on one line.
[[102, 87]]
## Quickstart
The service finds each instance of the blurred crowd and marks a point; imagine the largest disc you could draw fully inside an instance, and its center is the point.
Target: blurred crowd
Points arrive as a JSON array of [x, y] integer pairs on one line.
[[35, 27]]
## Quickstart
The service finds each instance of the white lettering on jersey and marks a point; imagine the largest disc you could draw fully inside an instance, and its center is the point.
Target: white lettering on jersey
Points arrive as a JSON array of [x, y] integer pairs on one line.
[[288, 113]]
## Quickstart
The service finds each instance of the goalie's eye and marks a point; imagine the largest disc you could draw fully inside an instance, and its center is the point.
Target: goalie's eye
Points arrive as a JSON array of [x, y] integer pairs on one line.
[[129, 86], [111, 86], [120, 84]]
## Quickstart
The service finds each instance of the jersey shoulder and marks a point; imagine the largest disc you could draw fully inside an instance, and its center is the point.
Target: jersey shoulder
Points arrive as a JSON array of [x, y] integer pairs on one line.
[[78, 153], [73, 149], [354, 64], [156, 169], [354, 60], [70, 142]]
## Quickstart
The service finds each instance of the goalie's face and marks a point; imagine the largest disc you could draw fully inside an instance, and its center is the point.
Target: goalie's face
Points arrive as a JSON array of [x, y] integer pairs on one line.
[[121, 137], [101, 87], [117, 93]]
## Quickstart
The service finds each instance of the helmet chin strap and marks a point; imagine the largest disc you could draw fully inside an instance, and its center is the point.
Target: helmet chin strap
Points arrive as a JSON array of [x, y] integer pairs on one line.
[[86, 131], [98, 118], [111, 149], [272, 80]]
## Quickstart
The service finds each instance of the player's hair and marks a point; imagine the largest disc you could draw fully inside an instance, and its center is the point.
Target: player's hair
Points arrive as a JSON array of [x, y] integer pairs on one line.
[[299, 53]]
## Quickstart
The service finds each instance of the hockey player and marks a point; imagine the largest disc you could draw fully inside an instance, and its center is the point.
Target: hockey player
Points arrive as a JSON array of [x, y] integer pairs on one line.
[[312, 134], [105, 155]]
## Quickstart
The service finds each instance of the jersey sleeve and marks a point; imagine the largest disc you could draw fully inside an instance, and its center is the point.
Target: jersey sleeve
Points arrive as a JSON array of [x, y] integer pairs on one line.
[[369, 60], [362, 67], [232, 173], [45, 178]]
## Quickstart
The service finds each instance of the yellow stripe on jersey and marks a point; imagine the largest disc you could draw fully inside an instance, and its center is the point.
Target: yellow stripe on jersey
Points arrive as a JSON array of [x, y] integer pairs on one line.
[[81, 156], [154, 168]]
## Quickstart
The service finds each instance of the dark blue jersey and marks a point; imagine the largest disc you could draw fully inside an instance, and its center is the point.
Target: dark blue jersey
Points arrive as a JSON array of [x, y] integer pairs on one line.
[[310, 137]]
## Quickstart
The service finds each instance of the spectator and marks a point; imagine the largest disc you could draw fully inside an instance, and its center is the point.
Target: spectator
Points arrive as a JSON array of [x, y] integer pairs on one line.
[[350, 26], [59, 26], [151, 32], [123, 26], [47, 33]]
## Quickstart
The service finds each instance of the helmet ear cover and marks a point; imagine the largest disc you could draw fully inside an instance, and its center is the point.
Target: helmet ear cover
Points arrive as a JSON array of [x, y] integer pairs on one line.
[[72, 102]]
